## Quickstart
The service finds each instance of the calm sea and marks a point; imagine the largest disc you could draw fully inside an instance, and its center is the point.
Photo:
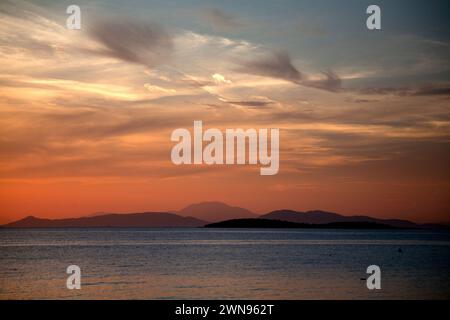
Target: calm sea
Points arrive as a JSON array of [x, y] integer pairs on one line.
[[223, 264]]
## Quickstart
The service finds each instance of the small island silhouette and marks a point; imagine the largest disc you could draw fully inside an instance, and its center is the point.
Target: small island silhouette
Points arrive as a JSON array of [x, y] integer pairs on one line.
[[279, 224]]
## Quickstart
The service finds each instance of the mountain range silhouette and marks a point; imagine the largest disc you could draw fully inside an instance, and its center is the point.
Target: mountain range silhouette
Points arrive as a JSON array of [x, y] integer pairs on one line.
[[205, 213]]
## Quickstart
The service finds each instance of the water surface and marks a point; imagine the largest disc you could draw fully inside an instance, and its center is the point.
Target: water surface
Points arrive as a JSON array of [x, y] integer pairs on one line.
[[223, 263]]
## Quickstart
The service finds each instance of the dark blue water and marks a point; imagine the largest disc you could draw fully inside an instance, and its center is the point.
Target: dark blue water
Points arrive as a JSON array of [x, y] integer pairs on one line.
[[223, 264]]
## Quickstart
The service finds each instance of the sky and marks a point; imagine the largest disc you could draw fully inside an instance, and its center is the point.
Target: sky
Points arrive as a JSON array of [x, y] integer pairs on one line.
[[86, 115]]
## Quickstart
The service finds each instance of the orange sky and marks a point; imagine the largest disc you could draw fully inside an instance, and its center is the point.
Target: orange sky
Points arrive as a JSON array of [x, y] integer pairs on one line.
[[85, 125]]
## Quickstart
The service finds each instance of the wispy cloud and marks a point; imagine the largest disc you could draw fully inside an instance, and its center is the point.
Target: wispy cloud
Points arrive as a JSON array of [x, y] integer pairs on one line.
[[278, 64], [437, 89], [251, 103], [330, 82], [132, 41]]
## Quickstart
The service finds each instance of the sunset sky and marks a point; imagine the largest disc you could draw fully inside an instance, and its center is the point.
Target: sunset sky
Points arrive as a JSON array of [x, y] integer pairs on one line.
[[86, 115]]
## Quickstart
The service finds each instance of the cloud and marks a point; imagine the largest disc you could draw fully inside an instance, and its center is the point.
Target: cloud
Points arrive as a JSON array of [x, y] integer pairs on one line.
[[196, 82], [29, 45], [132, 41], [255, 101], [275, 65], [220, 19], [331, 82], [278, 64], [219, 79], [356, 100], [251, 103], [442, 89], [158, 89], [433, 90], [22, 9]]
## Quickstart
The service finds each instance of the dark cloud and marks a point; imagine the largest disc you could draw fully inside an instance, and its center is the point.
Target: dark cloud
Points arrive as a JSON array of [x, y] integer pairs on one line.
[[433, 90], [363, 100], [427, 90], [278, 65], [132, 41], [381, 90], [220, 19], [332, 82], [251, 103]]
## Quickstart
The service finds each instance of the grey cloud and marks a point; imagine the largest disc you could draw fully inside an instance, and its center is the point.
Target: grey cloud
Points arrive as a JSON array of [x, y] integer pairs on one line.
[[381, 90], [426, 90], [332, 82], [251, 103], [363, 100], [137, 42], [278, 65], [433, 90]]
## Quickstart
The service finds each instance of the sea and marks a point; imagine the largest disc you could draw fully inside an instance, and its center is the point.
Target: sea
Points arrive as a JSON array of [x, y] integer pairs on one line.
[[201, 263]]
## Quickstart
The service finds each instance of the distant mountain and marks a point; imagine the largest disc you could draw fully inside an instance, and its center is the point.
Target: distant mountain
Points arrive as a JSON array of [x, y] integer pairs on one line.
[[323, 217], [96, 214], [200, 214], [216, 211], [132, 220], [279, 224]]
